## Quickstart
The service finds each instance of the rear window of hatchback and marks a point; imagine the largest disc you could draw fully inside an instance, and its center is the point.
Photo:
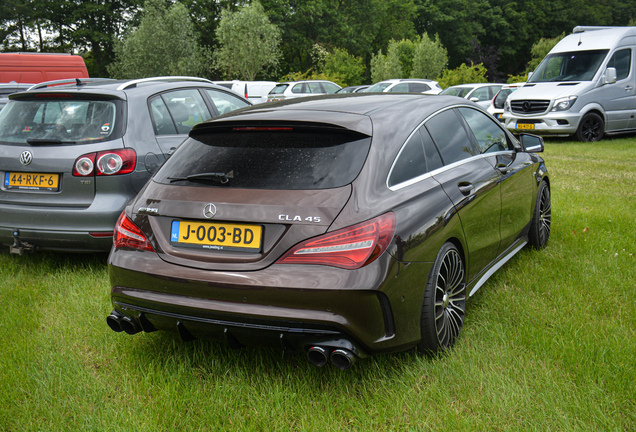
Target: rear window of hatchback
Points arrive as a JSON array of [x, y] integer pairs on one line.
[[62, 119]]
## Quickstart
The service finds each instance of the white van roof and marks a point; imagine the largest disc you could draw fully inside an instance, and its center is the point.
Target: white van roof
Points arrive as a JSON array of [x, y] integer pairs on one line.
[[587, 38]]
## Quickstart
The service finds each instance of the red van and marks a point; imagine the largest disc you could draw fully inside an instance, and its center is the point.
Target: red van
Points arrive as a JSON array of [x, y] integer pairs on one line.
[[38, 67]]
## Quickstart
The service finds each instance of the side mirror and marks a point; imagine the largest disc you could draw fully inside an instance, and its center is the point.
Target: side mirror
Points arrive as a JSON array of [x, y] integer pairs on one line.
[[610, 76], [474, 99], [529, 75], [531, 143]]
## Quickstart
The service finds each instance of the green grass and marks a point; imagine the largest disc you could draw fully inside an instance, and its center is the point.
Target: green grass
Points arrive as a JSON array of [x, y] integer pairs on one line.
[[549, 342]]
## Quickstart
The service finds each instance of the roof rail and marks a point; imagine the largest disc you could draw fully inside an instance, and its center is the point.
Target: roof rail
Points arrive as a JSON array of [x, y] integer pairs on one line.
[[134, 83], [581, 29], [78, 81]]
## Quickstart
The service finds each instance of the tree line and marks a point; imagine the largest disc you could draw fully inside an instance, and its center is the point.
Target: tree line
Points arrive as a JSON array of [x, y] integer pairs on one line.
[[352, 40]]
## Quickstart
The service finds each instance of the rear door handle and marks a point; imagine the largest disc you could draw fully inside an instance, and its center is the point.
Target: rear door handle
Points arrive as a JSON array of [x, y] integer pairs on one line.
[[465, 188]]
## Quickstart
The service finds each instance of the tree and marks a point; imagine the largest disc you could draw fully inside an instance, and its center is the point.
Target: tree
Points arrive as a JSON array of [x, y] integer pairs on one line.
[[163, 44], [387, 66], [540, 49], [462, 75], [248, 42], [348, 67], [429, 59]]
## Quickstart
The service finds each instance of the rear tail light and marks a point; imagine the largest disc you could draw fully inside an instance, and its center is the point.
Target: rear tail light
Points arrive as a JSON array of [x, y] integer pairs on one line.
[[129, 235], [348, 248], [105, 163]]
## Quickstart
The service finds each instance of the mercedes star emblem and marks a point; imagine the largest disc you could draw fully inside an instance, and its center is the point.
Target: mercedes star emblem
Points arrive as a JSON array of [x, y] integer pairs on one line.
[[26, 157], [527, 106], [209, 211]]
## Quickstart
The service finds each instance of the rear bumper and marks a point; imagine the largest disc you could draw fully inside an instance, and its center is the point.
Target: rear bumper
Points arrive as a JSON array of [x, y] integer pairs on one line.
[[295, 308], [63, 228]]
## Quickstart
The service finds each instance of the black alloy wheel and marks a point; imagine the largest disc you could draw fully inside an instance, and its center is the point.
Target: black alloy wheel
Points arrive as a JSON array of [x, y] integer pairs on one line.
[[542, 218], [591, 128], [444, 303]]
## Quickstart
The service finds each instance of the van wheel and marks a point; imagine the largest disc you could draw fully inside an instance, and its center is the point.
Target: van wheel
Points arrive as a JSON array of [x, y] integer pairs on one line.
[[444, 302], [591, 128]]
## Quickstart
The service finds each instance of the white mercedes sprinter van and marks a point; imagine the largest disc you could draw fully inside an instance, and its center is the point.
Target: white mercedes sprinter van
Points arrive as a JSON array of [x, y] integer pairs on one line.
[[584, 87]]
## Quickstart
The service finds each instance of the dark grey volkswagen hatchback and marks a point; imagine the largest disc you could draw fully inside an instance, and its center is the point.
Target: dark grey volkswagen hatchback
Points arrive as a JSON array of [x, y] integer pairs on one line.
[[339, 226]]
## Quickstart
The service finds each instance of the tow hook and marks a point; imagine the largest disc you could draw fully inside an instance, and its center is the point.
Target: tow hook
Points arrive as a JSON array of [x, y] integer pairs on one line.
[[19, 247]]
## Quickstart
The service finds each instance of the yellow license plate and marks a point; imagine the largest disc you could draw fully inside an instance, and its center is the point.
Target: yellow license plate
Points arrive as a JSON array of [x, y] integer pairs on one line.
[[31, 181], [525, 125], [217, 235]]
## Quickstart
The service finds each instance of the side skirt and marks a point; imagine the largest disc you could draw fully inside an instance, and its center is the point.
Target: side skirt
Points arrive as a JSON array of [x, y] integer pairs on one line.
[[498, 265]]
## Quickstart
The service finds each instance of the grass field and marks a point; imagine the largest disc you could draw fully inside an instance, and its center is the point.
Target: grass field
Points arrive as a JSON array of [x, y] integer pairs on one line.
[[549, 343]]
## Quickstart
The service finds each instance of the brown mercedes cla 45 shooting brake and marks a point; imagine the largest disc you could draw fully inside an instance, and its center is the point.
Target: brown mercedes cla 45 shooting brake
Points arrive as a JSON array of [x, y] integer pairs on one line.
[[339, 226]]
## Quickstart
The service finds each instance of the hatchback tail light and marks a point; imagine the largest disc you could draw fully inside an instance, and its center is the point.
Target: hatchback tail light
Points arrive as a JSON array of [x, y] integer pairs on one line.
[[129, 235], [348, 248], [105, 163]]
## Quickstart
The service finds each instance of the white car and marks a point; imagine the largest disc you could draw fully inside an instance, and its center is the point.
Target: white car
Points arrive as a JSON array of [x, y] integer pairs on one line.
[[496, 108], [407, 85], [254, 91], [480, 93], [294, 89]]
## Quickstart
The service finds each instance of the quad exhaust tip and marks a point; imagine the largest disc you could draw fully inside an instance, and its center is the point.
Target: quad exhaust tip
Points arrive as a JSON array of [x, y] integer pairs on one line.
[[341, 358], [119, 322]]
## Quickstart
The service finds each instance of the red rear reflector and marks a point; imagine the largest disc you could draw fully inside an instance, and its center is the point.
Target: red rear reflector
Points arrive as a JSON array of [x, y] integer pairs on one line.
[[128, 235], [101, 234], [349, 248], [262, 128]]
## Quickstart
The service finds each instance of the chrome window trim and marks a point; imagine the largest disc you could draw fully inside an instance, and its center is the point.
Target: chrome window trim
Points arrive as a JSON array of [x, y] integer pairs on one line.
[[445, 167]]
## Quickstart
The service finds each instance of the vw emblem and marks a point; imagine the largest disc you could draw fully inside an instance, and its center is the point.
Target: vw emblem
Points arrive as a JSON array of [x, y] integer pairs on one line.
[[527, 106], [209, 211], [26, 157]]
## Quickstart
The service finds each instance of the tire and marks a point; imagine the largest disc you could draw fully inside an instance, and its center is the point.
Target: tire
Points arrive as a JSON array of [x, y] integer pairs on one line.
[[541, 219], [444, 304], [591, 128]]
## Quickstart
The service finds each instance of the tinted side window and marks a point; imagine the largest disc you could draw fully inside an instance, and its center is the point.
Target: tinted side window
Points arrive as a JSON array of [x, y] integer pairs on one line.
[[490, 137], [450, 137], [298, 88], [225, 102], [410, 162], [314, 87], [433, 159], [161, 120], [621, 60], [187, 108], [418, 87], [329, 87], [399, 88], [481, 94]]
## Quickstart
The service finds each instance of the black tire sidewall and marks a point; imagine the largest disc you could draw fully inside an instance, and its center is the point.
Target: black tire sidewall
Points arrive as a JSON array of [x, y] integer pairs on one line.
[[534, 235], [579, 131], [429, 343]]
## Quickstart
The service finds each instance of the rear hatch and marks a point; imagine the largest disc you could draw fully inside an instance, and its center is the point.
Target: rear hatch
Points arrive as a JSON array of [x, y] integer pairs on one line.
[[237, 197], [42, 135]]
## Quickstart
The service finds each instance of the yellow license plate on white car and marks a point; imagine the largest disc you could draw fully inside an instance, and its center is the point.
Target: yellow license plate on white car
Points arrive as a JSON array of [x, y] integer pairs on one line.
[[217, 235], [525, 125]]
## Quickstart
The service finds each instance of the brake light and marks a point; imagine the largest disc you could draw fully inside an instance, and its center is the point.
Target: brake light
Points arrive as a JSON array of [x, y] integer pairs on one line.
[[129, 235], [348, 248], [105, 163]]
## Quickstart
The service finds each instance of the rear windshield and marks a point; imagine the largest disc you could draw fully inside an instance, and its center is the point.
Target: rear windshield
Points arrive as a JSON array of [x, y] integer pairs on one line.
[[269, 159], [457, 91], [279, 89], [41, 121]]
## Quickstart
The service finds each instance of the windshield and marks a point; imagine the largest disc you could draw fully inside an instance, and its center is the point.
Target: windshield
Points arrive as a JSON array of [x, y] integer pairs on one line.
[[378, 88], [59, 121], [569, 66], [457, 91]]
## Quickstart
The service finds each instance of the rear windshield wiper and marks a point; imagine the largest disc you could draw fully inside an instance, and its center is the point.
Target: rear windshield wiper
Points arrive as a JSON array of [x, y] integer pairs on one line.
[[45, 141], [215, 177]]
